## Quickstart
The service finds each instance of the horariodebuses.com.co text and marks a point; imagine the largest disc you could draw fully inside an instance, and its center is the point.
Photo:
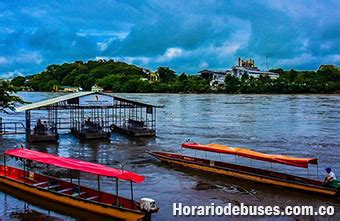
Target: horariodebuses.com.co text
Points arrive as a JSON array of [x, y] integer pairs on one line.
[[178, 209]]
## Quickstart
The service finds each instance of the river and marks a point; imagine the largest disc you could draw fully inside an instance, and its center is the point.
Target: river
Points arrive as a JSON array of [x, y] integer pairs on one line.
[[298, 125]]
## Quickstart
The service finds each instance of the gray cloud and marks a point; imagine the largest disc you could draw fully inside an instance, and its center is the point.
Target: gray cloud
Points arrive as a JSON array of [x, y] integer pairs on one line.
[[186, 36]]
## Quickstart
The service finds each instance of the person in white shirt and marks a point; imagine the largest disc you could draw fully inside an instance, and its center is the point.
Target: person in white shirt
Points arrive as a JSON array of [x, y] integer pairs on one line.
[[329, 177]]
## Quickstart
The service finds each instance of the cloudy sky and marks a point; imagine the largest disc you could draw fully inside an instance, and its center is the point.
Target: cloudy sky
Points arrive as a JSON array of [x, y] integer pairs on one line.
[[186, 35]]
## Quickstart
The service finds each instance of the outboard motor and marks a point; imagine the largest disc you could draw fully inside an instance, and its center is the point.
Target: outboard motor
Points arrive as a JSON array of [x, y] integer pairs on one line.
[[148, 206]]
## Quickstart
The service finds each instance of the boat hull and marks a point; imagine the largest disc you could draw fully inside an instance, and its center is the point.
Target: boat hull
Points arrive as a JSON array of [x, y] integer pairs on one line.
[[224, 169], [68, 200], [91, 136]]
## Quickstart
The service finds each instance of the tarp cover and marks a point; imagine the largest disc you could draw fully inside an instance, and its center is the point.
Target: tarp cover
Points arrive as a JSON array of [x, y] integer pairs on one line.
[[74, 164], [293, 161]]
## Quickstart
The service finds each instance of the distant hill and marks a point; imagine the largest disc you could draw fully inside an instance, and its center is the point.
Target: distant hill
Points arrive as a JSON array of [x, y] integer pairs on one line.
[[112, 75], [83, 74]]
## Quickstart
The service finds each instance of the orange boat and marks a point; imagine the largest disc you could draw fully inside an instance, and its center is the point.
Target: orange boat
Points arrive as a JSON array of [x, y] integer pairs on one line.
[[246, 172], [73, 194]]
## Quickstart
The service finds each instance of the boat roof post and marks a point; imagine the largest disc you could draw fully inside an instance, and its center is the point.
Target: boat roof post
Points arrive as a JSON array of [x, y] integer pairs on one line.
[[5, 164], [308, 172], [117, 199], [98, 182], [24, 160], [70, 173], [79, 182], [131, 185]]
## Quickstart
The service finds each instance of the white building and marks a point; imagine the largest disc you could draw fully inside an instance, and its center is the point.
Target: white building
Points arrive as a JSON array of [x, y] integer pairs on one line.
[[249, 68], [240, 71], [216, 77]]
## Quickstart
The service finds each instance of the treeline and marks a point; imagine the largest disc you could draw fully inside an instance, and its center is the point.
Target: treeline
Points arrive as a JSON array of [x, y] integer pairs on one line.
[[326, 80], [118, 76], [113, 76]]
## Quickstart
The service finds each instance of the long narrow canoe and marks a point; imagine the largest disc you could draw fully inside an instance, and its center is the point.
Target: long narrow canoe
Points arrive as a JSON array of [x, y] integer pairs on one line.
[[72, 194], [246, 173], [68, 194]]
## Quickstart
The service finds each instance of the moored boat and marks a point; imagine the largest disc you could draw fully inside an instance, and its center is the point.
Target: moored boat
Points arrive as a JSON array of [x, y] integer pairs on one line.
[[72, 193], [246, 172]]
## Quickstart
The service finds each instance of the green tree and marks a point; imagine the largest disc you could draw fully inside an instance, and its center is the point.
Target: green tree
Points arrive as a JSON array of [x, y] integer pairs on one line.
[[7, 97], [166, 74], [18, 81], [232, 84]]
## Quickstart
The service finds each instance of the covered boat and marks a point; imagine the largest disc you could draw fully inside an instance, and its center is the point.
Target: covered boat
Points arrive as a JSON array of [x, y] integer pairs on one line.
[[72, 193], [246, 172]]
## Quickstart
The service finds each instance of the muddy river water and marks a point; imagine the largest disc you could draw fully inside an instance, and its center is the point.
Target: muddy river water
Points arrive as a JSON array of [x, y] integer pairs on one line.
[[298, 125]]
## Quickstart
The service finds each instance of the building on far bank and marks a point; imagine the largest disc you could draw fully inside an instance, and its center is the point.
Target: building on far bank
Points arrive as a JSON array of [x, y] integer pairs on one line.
[[243, 67], [248, 67], [216, 78], [67, 89], [96, 88]]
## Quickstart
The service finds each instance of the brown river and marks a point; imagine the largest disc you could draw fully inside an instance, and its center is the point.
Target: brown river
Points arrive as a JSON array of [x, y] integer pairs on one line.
[[297, 125]]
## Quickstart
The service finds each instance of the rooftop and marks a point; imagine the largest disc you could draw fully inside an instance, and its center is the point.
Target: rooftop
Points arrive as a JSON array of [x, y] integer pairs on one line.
[[71, 96]]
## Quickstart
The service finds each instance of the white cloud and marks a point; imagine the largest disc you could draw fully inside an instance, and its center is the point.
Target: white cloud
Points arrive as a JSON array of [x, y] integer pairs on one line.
[[35, 12], [28, 57], [3, 60], [203, 65], [290, 62], [170, 54], [12, 74], [94, 32], [102, 46]]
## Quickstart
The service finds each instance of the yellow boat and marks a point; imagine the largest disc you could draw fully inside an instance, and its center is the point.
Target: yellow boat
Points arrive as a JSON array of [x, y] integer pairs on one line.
[[246, 172]]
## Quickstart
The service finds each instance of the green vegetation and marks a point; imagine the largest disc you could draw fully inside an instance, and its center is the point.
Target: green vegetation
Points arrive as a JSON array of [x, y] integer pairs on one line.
[[7, 99], [118, 76], [112, 76], [326, 80]]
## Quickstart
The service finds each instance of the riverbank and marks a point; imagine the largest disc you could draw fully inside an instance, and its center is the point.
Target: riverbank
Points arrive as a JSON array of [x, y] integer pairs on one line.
[[118, 76]]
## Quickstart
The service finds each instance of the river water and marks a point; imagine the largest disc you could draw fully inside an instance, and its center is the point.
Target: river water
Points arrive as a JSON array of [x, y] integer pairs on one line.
[[297, 125]]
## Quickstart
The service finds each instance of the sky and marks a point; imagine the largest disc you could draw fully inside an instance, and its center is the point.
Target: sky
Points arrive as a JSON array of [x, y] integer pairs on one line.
[[187, 35]]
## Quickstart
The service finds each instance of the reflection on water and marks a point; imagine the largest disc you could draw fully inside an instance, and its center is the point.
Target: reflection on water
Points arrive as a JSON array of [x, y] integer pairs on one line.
[[298, 125]]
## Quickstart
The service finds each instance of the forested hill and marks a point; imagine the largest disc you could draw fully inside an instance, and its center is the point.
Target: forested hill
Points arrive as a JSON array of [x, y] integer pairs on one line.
[[83, 74], [111, 75]]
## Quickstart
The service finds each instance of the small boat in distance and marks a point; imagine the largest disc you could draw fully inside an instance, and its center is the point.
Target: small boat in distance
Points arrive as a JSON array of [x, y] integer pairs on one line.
[[246, 172], [72, 193]]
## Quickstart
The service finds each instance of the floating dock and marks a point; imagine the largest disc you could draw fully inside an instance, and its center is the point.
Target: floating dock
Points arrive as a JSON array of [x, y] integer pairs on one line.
[[106, 111]]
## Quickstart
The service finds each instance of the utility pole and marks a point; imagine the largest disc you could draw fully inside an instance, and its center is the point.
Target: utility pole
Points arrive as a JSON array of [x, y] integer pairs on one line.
[[267, 62]]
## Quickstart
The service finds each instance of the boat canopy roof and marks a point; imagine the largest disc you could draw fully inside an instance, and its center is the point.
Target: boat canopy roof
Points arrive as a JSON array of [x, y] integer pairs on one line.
[[293, 161], [75, 164]]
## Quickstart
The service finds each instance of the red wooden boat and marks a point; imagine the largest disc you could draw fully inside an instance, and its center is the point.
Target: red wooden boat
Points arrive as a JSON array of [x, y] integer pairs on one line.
[[72, 193], [246, 172]]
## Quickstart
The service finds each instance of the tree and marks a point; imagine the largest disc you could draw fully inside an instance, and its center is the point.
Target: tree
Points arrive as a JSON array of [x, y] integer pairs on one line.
[[18, 81], [166, 74], [232, 84], [7, 99]]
